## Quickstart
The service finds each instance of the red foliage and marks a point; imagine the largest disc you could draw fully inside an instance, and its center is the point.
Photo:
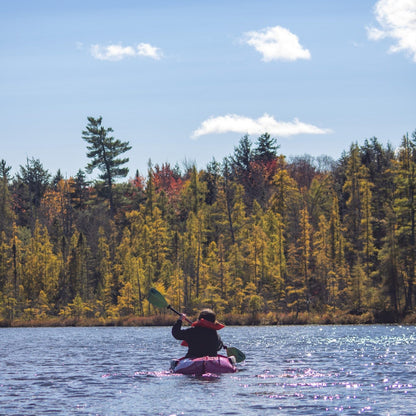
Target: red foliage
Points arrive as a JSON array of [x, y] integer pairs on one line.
[[138, 182], [167, 180]]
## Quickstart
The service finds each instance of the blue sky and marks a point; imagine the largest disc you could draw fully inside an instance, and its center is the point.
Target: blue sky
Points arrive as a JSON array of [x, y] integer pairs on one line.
[[184, 80]]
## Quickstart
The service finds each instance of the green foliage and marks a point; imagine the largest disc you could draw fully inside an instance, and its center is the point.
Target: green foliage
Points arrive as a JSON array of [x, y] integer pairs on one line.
[[104, 151], [254, 235]]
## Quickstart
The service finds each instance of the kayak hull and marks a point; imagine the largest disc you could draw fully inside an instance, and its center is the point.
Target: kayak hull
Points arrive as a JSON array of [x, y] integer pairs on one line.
[[203, 365]]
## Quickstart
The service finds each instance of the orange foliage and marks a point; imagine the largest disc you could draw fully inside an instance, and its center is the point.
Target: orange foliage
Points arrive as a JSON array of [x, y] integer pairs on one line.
[[165, 179]]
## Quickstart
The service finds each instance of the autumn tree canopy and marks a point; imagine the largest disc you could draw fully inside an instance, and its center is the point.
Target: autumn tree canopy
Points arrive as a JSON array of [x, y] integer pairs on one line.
[[253, 235]]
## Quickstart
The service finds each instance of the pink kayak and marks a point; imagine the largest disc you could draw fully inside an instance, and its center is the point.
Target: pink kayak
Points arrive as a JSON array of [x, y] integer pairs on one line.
[[203, 365]]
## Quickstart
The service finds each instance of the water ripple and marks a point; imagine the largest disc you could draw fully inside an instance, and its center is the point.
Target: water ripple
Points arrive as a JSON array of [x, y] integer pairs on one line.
[[298, 370]]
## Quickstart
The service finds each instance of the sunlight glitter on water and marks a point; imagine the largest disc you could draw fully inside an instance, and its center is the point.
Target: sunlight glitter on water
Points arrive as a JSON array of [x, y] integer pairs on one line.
[[289, 371]]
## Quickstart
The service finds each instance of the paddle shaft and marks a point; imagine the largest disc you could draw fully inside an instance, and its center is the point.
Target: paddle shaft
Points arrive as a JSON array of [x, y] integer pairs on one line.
[[178, 313]]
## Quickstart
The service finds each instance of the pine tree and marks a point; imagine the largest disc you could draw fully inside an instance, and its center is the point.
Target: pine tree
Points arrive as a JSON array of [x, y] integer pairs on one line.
[[104, 151], [80, 191], [266, 149], [6, 212], [241, 168], [31, 183]]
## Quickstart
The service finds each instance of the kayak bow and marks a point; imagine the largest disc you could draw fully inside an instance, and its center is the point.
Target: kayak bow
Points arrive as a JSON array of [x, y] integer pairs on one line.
[[204, 365]]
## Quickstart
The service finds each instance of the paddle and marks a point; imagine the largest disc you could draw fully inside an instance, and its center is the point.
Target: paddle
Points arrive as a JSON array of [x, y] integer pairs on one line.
[[159, 301], [233, 351]]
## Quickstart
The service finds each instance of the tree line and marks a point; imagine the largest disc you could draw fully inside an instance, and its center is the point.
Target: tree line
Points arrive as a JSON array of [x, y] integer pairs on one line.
[[256, 233]]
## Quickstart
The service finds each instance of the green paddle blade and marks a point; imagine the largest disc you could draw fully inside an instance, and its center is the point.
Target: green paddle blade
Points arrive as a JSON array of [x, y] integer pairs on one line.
[[157, 299], [239, 355]]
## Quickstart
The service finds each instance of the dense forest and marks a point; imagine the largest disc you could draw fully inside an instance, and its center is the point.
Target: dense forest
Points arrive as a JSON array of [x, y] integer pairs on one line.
[[257, 237]]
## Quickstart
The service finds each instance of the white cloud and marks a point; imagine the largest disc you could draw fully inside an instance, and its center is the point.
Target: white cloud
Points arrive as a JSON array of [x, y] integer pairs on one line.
[[277, 43], [144, 49], [233, 123], [118, 52], [397, 20]]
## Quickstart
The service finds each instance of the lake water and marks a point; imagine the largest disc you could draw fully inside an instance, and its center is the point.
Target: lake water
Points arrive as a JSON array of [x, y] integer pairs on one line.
[[290, 370]]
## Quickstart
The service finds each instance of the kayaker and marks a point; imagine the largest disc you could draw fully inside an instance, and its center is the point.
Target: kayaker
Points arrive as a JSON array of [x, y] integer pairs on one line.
[[201, 338]]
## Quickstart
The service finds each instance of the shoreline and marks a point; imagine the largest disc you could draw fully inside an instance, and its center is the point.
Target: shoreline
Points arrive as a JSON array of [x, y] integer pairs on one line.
[[271, 319]]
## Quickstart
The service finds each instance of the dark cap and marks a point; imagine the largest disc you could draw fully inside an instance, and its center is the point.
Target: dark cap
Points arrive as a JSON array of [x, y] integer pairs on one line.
[[208, 315]]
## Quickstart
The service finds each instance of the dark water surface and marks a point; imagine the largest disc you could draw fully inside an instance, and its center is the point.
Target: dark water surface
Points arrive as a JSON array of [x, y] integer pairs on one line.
[[290, 370]]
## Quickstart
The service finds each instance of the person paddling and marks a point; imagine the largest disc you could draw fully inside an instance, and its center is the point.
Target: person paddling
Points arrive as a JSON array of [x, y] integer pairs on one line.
[[201, 338]]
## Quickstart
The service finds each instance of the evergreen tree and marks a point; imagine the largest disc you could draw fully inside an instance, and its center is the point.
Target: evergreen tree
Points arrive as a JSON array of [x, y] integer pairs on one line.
[[211, 177], [242, 158], [253, 235], [57, 178], [241, 168], [30, 185], [6, 212], [104, 151], [80, 190], [266, 150]]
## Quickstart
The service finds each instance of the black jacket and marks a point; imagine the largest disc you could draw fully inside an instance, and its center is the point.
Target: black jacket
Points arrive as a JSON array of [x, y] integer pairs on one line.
[[201, 341]]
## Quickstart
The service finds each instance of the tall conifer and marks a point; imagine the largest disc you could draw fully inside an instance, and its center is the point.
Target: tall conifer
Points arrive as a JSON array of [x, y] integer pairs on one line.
[[104, 151]]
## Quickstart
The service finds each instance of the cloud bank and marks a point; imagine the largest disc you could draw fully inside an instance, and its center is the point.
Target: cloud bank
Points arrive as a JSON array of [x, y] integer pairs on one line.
[[276, 43], [397, 20], [118, 52], [233, 123]]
